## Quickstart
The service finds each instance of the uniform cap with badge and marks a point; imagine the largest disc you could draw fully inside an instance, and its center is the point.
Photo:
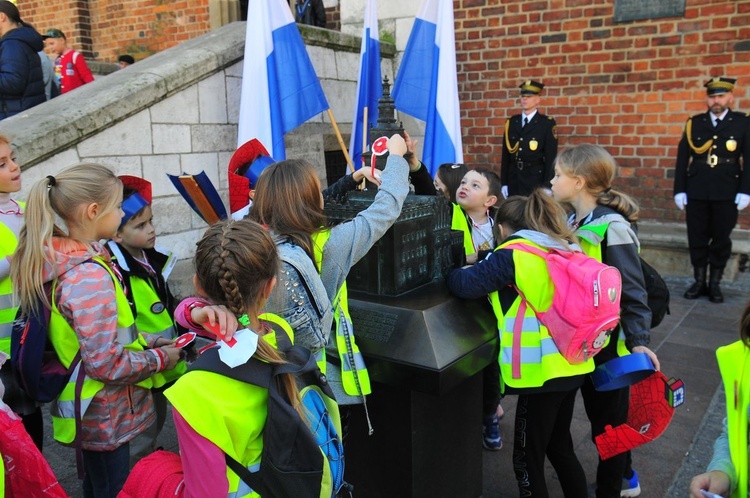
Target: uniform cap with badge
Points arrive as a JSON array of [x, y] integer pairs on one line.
[[719, 85], [531, 87]]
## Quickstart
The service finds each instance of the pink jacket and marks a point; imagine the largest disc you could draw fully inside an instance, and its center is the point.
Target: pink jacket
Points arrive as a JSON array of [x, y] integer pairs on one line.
[[85, 296]]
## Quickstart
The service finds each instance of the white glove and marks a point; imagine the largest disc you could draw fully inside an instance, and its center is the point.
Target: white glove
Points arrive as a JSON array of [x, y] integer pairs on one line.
[[680, 200], [742, 200], [504, 190]]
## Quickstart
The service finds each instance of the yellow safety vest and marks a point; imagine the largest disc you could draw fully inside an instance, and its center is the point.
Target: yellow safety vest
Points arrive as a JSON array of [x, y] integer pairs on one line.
[[531, 358], [591, 237], [354, 375], [459, 222], [734, 364], [65, 341], [229, 413], [8, 244]]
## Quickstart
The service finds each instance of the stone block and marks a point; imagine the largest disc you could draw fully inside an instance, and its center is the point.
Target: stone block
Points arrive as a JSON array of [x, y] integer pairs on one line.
[[235, 70], [183, 244], [130, 136], [234, 90], [403, 30], [171, 138], [212, 99], [181, 279], [179, 108], [347, 66], [121, 165], [172, 215], [213, 138], [342, 99], [324, 62], [208, 162], [155, 170], [51, 166]]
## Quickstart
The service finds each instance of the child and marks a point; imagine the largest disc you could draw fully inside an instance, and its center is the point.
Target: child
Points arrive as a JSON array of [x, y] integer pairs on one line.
[[11, 220], [448, 178], [544, 380], [144, 269], [91, 315], [245, 165], [602, 218], [236, 263], [288, 200], [727, 473], [71, 70], [477, 193]]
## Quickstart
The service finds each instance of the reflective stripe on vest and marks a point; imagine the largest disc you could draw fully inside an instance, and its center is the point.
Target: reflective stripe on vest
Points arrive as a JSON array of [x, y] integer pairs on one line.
[[536, 356], [733, 361], [459, 222], [8, 244], [591, 237], [354, 376], [65, 341]]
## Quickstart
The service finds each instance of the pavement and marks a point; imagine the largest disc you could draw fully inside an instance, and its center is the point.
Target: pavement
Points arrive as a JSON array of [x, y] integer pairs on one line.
[[685, 343]]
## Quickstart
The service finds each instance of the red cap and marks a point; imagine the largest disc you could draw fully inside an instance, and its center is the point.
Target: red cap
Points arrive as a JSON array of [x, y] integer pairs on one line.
[[240, 184], [138, 199]]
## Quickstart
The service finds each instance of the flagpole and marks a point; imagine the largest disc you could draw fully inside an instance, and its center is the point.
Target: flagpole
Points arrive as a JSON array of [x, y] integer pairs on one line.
[[365, 132], [341, 140]]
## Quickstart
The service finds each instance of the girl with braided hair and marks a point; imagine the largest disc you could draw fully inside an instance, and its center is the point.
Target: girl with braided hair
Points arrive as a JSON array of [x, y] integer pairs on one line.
[[236, 264]]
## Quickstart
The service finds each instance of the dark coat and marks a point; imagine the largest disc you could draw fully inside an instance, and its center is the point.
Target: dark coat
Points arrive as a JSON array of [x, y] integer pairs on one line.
[[528, 169], [311, 12], [21, 79], [693, 173]]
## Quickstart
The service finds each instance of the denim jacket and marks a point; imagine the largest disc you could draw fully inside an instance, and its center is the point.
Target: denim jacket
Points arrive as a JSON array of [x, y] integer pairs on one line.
[[300, 297]]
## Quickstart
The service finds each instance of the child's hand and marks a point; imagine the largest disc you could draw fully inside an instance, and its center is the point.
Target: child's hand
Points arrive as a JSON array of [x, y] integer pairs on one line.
[[411, 156], [216, 319], [173, 356], [651, 355], [366, 172], [397, 145]]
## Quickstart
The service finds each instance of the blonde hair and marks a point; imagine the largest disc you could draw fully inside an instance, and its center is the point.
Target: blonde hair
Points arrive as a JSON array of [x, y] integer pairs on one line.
[[539, 212], [62, 195], [233, 263], [4, 139], [598, 168]]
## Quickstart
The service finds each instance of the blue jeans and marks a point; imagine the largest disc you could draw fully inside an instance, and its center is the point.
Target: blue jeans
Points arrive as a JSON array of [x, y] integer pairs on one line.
[[105, 472]]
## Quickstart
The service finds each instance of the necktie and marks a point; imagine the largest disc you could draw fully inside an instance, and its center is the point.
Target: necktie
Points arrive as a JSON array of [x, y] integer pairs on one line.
[[525, 121], [716, 123]]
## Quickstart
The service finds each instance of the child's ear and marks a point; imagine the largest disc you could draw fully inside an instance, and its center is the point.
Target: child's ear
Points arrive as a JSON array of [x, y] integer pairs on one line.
[[491, 201], [268, 288], [118, 237], [251, 194], [91, 211]]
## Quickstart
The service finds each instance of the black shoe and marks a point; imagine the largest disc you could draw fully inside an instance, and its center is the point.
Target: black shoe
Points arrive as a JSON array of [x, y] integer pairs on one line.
[[714, 291], [699, 287]]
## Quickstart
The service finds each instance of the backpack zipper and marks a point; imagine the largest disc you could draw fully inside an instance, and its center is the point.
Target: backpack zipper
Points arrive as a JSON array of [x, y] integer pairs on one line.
[[596, 293]]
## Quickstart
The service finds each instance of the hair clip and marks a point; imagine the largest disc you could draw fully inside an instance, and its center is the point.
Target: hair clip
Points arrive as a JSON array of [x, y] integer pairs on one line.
[[244, 320], [51, 181], [607, 190], [456, 166]]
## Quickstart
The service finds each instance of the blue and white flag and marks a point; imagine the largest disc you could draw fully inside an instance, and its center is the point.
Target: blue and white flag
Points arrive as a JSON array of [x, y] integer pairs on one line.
[[426, 86], [280, 89], [369, 85]]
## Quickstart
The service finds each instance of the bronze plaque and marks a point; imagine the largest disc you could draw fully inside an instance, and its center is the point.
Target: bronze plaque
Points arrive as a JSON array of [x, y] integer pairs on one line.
[[632, 10]]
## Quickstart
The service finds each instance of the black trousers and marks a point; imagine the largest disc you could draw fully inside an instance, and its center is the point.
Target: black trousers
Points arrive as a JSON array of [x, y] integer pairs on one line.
[[607, 408], [709, 227], [543, 428]]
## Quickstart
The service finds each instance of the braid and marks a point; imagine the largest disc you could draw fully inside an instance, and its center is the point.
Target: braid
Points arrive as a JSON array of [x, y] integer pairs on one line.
[[228, 283]]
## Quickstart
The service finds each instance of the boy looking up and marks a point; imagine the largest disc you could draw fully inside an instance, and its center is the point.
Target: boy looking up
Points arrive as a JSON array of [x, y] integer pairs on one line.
[[477, 193], [144, 270]]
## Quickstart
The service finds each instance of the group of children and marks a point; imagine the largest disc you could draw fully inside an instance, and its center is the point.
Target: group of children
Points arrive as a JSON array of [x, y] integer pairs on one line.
[[111, 302]]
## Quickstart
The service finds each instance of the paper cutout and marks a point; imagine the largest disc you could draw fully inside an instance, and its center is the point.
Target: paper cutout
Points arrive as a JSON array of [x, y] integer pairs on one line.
[[245, 346], [201, 195]]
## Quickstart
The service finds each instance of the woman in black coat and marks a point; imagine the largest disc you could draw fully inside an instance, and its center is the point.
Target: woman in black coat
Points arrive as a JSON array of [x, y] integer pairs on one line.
[[21, 80]]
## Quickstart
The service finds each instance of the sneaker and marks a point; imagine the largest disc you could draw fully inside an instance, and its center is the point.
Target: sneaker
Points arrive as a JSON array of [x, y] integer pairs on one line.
[[491, 439], [631, 487]]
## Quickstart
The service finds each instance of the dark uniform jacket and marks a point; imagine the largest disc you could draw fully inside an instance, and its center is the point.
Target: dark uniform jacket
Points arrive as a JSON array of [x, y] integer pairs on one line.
[[310, 12], [532, 165], [21, 79], [694, 174]]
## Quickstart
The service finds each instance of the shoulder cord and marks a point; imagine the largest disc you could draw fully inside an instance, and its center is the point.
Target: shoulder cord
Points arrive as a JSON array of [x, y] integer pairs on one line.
[[513, 149], [688, 134]]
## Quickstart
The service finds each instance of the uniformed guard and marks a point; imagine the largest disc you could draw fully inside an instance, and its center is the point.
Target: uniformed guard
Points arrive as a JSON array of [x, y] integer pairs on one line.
[[711, 184], [529, 145]]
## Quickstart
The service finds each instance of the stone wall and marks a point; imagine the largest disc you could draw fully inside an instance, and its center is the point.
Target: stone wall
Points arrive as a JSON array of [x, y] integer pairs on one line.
[[177, 112]]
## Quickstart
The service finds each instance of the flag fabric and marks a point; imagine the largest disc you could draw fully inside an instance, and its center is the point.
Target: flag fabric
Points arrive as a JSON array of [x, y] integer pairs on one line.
[[201, 195], [369, 84], [280, 89], [426, 86]]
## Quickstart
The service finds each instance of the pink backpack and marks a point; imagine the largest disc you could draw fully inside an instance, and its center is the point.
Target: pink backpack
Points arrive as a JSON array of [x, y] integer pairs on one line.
[[585, 307]]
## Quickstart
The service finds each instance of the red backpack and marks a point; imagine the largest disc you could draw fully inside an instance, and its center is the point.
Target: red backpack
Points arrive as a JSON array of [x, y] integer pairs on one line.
[[586, 303]]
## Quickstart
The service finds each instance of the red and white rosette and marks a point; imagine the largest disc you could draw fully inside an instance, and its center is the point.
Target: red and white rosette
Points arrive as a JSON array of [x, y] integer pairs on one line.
[[379, 148]]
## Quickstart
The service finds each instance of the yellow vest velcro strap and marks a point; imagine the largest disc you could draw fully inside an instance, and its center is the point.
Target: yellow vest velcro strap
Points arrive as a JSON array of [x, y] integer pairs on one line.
[[6, 301], [168, 333], [532, 355], [359, 362], [530, 324], [127, 335], [5, 330]]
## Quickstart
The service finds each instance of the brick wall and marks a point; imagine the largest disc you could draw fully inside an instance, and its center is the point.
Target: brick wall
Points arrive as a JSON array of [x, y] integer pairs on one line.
[[104, 29], [628, 87]]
